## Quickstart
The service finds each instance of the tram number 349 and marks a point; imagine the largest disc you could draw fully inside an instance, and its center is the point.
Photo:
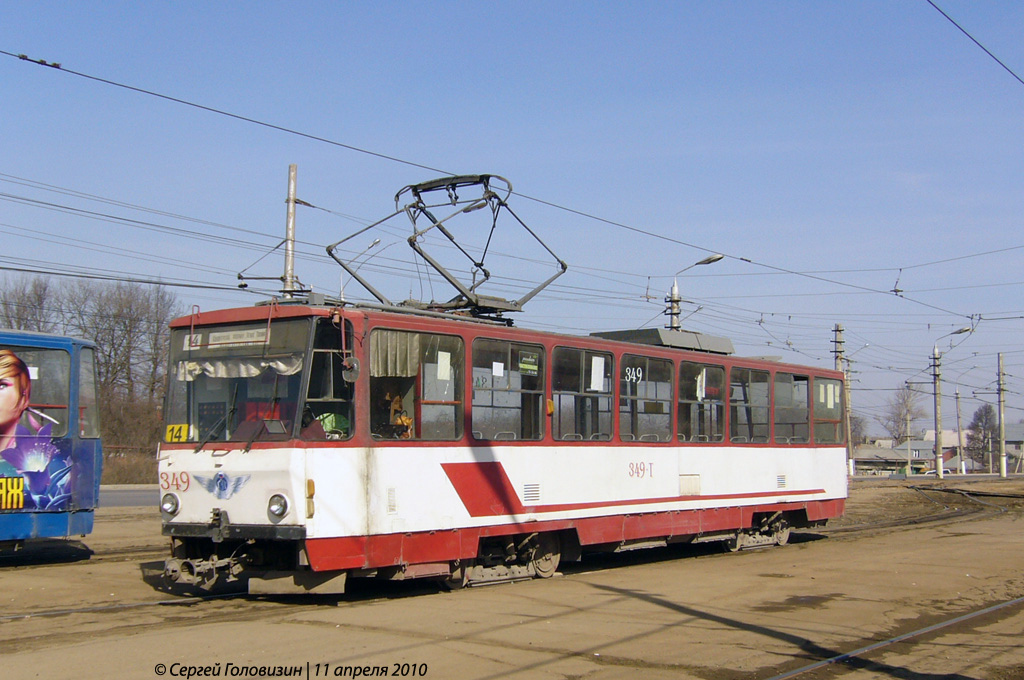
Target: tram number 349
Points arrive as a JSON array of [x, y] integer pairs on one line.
[[179, 481], [641, 469]]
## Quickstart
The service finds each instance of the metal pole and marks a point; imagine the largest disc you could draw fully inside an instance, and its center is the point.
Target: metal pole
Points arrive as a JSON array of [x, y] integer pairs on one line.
[[289, 237], [937, 377], [1002, 420]]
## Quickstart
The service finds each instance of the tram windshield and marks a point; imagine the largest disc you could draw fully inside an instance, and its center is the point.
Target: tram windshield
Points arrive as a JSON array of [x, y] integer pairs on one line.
[[238, 383]]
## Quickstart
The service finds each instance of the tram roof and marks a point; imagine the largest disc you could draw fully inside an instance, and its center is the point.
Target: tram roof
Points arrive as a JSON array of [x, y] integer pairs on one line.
[[676, 339]]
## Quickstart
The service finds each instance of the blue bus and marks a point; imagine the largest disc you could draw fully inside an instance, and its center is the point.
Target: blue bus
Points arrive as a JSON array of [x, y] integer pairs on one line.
[[50, 453]]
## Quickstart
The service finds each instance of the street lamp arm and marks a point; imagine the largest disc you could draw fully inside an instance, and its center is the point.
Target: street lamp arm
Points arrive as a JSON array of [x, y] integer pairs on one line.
[[710, 259]]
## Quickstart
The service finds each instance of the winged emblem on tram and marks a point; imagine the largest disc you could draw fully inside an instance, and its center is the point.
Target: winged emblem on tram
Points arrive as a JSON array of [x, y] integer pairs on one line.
[[222, 486]]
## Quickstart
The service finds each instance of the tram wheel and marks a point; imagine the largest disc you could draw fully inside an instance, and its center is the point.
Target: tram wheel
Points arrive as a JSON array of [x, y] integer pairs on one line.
[[459, 577], [782, 535], [547, 554]]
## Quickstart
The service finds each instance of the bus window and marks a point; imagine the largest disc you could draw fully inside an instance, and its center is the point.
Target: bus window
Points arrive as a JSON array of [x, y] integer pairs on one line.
[[508, 390], [828, 411], [581, 387], [47, 386], [416, 385], [88, 406], [749, 405], [792, 408], [701, 403], [645, 399]]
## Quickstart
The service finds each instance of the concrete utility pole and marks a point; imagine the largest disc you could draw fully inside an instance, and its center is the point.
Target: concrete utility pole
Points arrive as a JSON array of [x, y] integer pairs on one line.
[[959, 434], [673, 299], [289, 236], [672, 309], [910, 466], [838, 342], [1002, 421], [937, 380], [839, 351]]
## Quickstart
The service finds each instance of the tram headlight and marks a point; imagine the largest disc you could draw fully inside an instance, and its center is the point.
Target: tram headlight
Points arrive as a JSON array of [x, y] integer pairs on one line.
[[169, 504], [278, 506]]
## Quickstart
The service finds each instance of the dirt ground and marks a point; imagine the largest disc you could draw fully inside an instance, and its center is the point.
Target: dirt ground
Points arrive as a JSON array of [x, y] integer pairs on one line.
[[679, 612]]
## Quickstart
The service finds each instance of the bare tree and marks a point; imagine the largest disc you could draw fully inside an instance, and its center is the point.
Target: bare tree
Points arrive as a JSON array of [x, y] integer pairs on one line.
[[858, 428], [162, 308], [983, 430], [29, 304], [128, 323], [901, 408]]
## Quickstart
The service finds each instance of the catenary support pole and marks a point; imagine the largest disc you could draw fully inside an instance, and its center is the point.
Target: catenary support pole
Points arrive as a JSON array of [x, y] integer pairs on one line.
[[289, 237], [1002, 421], [937, 378]]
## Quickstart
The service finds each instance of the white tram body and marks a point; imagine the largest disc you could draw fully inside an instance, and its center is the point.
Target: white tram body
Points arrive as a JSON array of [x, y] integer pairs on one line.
[[306, 444]]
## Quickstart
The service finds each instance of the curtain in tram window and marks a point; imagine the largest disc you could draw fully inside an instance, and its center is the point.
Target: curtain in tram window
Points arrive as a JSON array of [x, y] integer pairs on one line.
[[394, 354], [237, 368]]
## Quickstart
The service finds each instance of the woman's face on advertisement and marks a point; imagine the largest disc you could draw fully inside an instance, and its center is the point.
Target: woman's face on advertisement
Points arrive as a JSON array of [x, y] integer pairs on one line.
[[12, 402]]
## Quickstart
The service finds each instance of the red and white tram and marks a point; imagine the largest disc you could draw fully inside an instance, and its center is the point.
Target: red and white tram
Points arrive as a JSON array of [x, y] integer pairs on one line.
[[310, 443]]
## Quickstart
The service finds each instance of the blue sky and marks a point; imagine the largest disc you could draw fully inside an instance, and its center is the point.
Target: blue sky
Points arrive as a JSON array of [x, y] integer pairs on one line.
[[828, 149]]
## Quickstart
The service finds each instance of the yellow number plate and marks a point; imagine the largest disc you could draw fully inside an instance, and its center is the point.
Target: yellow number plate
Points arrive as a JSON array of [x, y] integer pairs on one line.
[[177, 433]]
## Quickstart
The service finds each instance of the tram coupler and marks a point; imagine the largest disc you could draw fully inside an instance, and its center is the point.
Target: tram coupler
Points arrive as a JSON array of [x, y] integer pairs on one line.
[[202, 573]]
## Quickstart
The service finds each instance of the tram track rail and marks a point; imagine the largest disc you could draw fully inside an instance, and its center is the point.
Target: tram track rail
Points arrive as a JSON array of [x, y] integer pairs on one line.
[[848, 659], [947, 512], [68, 554]]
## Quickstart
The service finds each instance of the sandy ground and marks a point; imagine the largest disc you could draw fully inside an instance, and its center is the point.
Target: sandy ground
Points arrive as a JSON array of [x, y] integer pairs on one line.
[[671, 613]]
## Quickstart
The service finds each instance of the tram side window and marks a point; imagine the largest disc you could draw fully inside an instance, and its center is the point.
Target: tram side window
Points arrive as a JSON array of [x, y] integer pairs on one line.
[[508, 390], [645, 399], [792, 408], [581, 387], [328, 410], [701, 403], [416, 385], [749, 405], [828, 411]]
